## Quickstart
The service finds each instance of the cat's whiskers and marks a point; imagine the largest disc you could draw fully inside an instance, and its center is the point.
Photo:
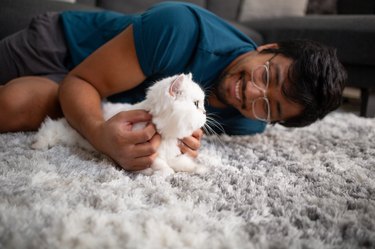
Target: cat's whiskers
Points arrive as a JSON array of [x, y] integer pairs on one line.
[[209, 126], [212, 124], [215, 137], [207, 90]]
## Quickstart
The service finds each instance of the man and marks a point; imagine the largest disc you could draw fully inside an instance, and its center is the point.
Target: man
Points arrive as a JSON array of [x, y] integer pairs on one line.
[[116, 56]]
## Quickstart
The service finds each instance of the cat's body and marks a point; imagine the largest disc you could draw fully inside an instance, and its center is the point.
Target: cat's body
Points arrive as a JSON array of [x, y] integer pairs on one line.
[[177, 106]]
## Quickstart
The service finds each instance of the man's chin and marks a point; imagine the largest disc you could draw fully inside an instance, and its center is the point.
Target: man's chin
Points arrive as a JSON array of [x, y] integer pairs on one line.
[[220, 92]]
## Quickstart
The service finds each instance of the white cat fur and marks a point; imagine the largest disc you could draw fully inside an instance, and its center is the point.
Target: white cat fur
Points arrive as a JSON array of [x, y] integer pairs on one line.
[[177, 106]]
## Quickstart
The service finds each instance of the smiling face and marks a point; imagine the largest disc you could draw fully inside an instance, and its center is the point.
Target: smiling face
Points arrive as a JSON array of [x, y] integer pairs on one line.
[[235, 87]]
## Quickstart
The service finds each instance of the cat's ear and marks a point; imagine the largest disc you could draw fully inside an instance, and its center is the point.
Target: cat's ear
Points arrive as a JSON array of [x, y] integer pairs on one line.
[[190, 76], [175, 87]]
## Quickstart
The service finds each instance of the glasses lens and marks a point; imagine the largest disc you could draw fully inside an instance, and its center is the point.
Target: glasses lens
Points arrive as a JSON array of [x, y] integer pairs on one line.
[[261, 109], [260, 77]]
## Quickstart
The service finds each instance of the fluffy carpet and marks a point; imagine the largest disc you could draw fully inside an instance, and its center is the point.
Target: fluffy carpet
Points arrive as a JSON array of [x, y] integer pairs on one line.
[[287, 188]]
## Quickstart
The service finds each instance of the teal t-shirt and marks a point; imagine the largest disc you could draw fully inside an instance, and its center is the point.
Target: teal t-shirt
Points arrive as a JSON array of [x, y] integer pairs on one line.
[[170, 38]]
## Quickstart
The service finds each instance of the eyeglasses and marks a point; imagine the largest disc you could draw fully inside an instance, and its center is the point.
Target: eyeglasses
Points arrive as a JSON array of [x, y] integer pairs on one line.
[[260, 79]]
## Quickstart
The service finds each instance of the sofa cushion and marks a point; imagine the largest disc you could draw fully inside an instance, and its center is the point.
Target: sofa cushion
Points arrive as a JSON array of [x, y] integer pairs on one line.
[[252, 33], [224, 8], [353, 36], [321, 7], [255, 9], [87, 2], [134, 6]]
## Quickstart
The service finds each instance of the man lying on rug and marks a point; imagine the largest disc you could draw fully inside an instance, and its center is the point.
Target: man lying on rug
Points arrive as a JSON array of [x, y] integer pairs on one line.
[[97, 55]]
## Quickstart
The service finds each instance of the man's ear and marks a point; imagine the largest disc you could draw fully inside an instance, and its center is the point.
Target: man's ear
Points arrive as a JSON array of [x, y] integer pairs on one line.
[[266, 46]]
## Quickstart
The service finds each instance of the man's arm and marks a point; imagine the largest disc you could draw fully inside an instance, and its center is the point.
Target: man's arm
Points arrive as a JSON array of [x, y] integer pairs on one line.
[[111, 69]]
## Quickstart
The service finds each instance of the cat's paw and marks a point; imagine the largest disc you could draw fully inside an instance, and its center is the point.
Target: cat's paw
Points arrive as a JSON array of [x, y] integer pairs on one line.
[[184, 163], [161, 168], [146, 172], [40, 144], [164, 172], [159, 172]]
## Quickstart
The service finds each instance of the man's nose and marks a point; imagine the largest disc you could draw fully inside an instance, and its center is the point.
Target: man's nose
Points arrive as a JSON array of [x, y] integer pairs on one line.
[[254, 92]]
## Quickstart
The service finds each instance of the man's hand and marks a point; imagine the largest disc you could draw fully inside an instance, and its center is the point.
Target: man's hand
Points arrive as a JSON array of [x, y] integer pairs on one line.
[[190, 145], [132, 150], [111, 69]]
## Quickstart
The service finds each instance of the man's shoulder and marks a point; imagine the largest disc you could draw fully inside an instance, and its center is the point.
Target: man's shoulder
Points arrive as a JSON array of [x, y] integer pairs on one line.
[[179, 7], [180, 15]]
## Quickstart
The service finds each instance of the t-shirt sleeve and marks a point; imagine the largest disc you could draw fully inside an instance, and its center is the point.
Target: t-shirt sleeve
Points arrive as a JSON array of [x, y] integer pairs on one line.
[[165, 39]]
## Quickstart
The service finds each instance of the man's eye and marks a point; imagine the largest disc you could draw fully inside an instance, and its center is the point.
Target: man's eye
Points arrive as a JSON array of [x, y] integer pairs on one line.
[[265, 77], [265, 106]]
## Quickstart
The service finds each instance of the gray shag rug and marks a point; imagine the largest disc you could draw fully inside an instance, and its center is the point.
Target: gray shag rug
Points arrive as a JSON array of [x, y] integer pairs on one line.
[[287, 188]]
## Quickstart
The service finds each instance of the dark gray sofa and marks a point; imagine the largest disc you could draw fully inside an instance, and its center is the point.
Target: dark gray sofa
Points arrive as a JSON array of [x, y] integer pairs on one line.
[[351, 30]]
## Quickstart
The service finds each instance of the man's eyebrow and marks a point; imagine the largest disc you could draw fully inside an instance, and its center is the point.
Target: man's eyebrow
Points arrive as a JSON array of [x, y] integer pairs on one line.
[[278, 84], [278, 73]]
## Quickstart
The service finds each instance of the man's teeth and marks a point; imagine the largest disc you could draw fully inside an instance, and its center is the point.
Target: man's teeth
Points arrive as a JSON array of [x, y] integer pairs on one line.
[[237, 90]]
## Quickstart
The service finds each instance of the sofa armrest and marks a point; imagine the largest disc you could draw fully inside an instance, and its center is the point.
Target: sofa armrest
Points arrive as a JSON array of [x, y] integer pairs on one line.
[[352, 35]]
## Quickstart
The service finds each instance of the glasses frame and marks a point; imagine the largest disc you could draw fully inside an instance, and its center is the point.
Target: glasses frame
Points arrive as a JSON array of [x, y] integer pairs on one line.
[[266, 66]]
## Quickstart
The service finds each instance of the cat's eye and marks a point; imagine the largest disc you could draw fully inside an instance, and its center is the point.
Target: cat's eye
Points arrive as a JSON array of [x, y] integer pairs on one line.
[[196, 103]]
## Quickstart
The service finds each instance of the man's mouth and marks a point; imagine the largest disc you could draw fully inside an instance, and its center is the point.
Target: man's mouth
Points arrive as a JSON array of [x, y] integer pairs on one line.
[[238, 89], [242, 90]]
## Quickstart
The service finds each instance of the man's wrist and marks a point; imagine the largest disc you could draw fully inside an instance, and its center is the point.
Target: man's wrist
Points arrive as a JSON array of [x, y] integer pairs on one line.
[[93, 133]]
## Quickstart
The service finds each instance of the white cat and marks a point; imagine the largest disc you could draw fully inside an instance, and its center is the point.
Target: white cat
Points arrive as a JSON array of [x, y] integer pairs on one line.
[[177, 107]]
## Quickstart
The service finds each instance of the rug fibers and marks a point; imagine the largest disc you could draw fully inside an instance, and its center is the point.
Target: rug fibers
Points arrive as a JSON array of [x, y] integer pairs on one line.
[[305, 188]]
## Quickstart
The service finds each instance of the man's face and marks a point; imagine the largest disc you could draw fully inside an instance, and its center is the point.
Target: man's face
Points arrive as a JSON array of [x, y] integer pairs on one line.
[[236, 88]]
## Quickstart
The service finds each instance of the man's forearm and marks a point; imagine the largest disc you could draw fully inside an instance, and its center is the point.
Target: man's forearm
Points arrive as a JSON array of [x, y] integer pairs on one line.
[[81, 105]]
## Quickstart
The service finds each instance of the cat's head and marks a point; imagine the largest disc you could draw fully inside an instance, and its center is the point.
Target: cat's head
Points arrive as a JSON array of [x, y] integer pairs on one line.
[[177, 106]]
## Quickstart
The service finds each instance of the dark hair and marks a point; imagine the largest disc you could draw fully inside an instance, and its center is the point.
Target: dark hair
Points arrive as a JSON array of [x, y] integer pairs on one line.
[[317, 79]]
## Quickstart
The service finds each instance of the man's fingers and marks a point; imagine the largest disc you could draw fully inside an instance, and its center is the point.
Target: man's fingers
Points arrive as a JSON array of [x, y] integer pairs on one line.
[[148, 148], [188, 151], [155, 141], [134, 116], [198, 134], [142, 136], [138, 164], [190, 145], [191, 142]]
